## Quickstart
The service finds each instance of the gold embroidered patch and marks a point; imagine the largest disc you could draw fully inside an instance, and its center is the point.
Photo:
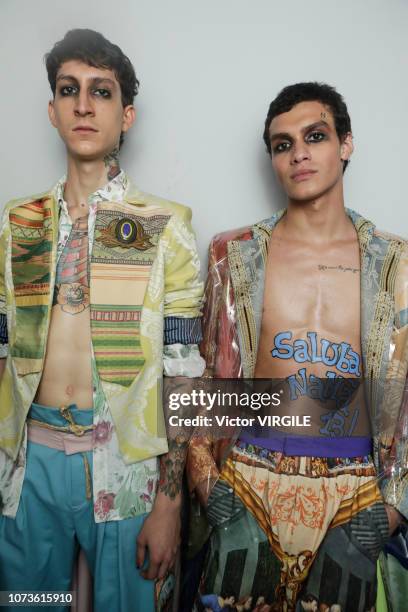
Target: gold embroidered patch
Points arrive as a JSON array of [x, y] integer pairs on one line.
[[126, 233]]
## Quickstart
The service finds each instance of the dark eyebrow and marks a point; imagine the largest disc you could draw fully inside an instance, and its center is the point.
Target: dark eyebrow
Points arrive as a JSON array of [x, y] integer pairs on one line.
[[99, 80], [316, 125], [94, 81], [308, 128], [69, 77]]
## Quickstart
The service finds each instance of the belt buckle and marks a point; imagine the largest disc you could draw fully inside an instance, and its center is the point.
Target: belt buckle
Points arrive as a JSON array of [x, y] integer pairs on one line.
[[73, 427]]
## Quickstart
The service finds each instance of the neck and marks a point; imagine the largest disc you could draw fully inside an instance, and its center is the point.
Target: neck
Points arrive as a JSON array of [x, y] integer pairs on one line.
[[320, 220], [84, 178]]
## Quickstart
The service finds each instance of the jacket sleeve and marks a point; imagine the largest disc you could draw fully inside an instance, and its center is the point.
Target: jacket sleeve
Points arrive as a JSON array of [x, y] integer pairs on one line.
[[394, 455], [202, 470], [208, 449], [182, 298], [183, 288]]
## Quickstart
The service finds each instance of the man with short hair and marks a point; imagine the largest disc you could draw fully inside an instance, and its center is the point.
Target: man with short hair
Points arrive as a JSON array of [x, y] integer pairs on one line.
[[315, 298], [99, 292]]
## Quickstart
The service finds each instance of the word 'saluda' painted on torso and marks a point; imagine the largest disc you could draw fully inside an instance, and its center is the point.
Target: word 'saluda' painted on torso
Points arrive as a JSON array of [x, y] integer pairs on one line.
[[313, 350]]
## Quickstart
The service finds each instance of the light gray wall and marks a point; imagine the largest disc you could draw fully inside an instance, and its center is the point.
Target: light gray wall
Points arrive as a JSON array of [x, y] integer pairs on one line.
[[208, 70]]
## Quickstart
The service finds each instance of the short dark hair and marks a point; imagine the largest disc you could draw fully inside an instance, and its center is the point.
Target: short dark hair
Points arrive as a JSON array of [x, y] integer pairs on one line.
[[93, 49], [310, 92]]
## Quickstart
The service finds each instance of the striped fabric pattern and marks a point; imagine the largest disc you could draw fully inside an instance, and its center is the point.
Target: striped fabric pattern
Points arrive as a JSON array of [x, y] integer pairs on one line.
[[31, 249], [116, 342], [32, 235], [3, 329], [182, 330]]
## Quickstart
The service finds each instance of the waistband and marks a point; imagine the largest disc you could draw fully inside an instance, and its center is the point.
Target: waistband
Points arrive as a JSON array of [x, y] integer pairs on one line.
[[312, 446], [53, 416]]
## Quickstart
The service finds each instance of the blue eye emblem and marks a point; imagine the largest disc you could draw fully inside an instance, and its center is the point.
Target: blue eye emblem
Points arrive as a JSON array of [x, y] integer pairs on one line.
[[126, 231]]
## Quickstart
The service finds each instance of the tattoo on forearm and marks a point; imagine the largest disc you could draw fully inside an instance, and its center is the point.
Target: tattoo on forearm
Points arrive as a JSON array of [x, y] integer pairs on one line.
[[339, 267], [71, 291], [112, 163], [172, 467]]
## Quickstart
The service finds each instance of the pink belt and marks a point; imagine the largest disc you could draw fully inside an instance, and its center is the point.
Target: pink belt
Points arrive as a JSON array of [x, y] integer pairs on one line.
[[70, 443]]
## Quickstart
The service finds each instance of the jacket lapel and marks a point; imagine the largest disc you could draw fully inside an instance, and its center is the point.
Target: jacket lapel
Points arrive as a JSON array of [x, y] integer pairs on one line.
[[247, 260], [380, 257]]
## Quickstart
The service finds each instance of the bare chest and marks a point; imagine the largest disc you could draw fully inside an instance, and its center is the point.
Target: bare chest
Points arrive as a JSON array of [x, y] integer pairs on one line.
[[311, 311]]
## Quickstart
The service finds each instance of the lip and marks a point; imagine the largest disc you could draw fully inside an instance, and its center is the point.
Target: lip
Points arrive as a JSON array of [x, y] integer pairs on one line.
[[84, 128], [302, 175]]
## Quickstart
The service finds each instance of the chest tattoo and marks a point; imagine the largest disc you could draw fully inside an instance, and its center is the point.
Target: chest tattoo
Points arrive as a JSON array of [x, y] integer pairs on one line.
[[317, 350], [71, 291], [340, 268], [342, 419]]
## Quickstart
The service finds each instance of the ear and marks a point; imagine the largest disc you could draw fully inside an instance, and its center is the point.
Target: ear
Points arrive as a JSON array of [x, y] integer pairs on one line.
[[129, 116], [347, 147], [51, 113]]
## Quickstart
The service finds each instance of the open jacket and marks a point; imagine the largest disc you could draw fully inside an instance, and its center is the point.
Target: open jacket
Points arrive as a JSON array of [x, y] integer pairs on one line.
[[232, 323], [143, 289]]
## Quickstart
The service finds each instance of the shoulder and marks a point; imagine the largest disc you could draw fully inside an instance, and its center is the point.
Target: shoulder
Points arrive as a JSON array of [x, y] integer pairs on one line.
[[377, 234], [33, 203], [262, 228], [394, 253], [241, 233], [30, 199], [147, 200], [219, 243], [389, 237]]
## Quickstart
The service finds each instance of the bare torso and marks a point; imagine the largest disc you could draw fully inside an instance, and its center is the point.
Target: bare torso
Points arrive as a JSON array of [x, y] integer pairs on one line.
[[311, 319], [67, 373]]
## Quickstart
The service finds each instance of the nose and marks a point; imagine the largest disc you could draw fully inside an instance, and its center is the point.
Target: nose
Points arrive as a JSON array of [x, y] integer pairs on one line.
[[300, 152], [84, 104]]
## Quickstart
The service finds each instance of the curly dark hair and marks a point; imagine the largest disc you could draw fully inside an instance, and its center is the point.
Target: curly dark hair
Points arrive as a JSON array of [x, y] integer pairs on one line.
[[93, 49], [310, 92]]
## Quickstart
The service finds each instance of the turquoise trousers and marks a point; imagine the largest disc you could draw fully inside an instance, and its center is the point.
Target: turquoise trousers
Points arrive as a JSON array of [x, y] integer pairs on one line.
[[54, 518]]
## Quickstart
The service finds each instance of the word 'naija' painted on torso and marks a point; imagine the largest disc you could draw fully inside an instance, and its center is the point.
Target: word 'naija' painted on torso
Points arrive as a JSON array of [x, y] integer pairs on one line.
[[332, 354]]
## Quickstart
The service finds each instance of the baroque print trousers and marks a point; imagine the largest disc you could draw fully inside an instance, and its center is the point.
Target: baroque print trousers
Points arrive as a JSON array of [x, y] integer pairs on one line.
[[294, 533]]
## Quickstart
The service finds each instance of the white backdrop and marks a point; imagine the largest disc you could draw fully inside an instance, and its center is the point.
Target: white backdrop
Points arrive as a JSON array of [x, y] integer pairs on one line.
[[208, 71]]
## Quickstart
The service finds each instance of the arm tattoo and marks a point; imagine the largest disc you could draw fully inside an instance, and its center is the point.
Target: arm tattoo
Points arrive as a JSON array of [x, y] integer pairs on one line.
[[172, 466], [112, 163]]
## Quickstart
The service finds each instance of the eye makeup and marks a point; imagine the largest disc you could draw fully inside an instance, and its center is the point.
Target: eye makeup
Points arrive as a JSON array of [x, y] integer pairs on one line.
[[311, 136], [99, 87]]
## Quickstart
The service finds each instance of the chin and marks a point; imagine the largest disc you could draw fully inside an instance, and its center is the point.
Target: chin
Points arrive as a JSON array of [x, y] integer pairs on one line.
[[308, 193], [86, 153], [304, 196]]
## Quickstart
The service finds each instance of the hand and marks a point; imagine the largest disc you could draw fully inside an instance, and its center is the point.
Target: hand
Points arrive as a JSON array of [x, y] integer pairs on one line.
[[394, 518], [160, 534]]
